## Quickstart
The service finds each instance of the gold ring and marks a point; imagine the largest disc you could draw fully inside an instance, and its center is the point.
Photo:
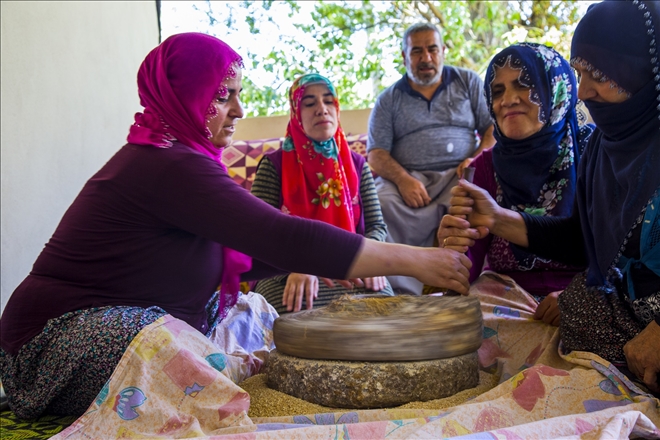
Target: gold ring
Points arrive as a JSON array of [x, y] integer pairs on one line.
[[444, 242]]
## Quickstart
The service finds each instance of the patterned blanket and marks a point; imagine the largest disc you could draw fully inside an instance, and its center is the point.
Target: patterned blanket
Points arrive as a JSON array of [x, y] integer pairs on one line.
[[172, 382]]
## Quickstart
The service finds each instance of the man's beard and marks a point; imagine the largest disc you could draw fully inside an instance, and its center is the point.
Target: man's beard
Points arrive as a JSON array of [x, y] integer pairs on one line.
[[424, 81]]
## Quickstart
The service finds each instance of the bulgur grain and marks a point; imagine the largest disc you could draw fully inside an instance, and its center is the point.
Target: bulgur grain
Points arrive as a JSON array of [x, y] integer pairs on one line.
[[266, 402]]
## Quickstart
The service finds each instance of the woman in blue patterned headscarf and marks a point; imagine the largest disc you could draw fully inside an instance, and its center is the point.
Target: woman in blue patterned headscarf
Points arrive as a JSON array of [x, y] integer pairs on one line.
[[532, 95], [536, 172]]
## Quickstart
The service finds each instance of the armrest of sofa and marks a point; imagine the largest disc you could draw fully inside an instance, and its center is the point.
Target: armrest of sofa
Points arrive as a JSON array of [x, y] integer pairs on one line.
[[242, 157]]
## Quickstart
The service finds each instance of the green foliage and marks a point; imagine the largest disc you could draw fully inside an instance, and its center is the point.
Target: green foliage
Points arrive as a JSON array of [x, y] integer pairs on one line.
[[473, 32]]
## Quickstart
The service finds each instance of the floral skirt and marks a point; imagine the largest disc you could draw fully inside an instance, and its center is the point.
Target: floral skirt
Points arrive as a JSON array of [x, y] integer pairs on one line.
[[596, 319], [61, 370]]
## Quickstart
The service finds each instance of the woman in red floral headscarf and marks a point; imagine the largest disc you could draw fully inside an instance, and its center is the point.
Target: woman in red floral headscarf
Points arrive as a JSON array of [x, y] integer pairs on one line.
[[315, 175]]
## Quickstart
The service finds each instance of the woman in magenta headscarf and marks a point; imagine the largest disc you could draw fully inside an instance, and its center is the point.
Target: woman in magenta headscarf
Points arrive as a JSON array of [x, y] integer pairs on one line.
[[157, 229]]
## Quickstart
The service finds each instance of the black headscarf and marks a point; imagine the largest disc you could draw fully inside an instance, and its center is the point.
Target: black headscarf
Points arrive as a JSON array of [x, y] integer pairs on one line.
[[620, 169]]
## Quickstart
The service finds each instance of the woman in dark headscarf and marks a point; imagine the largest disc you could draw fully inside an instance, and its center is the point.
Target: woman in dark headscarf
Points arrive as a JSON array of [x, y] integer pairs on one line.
[[155, 232], [532, 94], [316, 175], [615, 53], [613, 309]]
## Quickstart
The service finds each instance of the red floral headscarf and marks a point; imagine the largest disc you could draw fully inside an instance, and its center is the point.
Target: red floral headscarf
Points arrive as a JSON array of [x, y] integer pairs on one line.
[[319, 179]]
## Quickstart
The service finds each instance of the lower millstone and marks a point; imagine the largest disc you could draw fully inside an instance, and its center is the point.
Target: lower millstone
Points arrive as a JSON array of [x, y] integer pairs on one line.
[[361, 385]]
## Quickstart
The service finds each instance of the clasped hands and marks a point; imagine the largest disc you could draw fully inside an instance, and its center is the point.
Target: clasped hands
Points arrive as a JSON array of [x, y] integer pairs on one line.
[[465, 223], [457, 233], [299, 286]]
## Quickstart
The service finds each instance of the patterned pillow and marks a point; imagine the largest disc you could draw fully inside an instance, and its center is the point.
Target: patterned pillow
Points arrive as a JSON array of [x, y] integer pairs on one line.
[[242, 157]]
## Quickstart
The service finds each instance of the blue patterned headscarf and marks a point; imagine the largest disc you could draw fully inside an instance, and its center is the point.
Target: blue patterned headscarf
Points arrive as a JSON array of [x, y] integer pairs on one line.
[[537, 174], [618, 42]]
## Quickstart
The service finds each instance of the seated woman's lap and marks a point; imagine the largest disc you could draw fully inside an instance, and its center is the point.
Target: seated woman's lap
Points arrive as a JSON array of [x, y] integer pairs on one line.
[[513, 340], [62, 370]]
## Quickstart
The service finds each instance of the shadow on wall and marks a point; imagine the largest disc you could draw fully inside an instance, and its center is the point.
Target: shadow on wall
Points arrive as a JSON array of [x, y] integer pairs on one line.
[[267, 127]]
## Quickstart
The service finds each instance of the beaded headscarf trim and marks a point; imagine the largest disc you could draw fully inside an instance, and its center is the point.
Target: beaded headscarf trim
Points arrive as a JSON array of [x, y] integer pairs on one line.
[[653, 51], [525, 79], [223, 93], [596, 74]]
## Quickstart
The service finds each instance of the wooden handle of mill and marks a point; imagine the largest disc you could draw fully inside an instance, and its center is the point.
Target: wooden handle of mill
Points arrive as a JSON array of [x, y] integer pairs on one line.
[[468, 174]]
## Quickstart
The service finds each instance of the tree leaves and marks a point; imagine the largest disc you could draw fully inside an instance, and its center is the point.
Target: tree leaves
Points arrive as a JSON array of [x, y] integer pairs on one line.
[[358, 44]]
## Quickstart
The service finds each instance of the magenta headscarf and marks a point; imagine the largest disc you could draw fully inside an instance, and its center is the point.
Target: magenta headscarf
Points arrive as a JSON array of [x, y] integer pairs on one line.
[[177, 82]]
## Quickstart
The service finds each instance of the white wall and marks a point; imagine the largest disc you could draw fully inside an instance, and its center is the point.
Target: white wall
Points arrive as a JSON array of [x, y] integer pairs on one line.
[[68, 97]]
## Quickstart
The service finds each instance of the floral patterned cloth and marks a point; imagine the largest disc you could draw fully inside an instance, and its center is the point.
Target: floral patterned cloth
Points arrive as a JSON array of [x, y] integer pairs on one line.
[[189, 392]]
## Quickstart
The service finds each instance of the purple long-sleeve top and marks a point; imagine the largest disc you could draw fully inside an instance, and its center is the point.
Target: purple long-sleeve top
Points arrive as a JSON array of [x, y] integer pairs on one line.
[[148, 230], [546, 276]]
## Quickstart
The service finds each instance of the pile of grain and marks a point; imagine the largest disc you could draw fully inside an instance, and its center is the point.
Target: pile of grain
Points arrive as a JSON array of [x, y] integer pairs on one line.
[[363, 305], [266, 402]]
